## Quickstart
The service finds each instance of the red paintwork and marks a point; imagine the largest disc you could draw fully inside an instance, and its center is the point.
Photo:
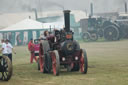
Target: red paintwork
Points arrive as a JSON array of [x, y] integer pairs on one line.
[[41, 59], [53, 62], [82, 64], [30, 46], [33, 57], [37, 46]]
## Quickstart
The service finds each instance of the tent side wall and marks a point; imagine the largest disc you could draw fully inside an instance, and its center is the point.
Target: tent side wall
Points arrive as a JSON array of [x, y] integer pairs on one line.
[[18, 37]]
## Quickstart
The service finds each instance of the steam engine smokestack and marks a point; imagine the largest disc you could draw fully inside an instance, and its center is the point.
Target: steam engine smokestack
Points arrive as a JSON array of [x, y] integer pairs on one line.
[[91, 9], [126, 10], [35, 11], [67, 20]]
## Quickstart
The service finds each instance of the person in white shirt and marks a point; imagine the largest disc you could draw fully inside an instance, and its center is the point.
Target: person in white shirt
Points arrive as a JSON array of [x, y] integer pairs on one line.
[[9, 49], [4, 48]]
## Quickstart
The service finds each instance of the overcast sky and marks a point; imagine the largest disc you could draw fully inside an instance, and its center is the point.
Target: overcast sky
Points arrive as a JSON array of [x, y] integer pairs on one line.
[[44, 5]]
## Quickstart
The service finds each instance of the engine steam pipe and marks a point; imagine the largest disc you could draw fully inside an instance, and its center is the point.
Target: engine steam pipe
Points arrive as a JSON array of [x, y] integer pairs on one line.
[[67, 20], [126, 10], [91, 9]]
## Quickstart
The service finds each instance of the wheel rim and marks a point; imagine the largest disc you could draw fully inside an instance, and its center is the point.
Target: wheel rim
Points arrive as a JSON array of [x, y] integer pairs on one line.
[[86, 36], [83, 62], [55, 62], [6, 66], [111, 33]]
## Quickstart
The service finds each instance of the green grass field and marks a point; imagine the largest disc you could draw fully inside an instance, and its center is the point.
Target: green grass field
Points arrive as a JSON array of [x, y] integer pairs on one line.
[[108, 65]]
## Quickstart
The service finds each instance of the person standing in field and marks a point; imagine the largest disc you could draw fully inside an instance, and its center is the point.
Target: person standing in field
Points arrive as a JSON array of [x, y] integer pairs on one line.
[[3, 42], [4, 48], [31, 47], [10, 49]]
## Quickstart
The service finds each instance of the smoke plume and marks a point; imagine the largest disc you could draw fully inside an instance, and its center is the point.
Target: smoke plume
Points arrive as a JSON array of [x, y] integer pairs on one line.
[[47, 5]]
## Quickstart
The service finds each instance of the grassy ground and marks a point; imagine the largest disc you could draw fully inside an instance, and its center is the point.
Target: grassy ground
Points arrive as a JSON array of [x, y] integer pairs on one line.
[[108, 65]]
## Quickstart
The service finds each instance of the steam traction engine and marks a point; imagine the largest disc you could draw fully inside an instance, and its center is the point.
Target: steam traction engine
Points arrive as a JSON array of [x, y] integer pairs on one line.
[[5, 68], [61, 50], [117, 29]]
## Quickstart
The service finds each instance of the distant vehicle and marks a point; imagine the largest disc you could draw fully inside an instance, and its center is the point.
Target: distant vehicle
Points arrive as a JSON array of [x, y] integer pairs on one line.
[[114, 27], [117, 29], [92, 28]]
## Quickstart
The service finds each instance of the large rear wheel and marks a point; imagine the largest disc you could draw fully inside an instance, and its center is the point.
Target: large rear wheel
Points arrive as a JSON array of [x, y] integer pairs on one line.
[[45, 58], [111, 33], [47, 63], [5, 68]]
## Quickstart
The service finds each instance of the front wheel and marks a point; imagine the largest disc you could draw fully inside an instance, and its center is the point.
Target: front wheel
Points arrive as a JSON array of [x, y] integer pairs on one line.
[[86, 36], [5, 68], [93, 36], [83, 62]]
